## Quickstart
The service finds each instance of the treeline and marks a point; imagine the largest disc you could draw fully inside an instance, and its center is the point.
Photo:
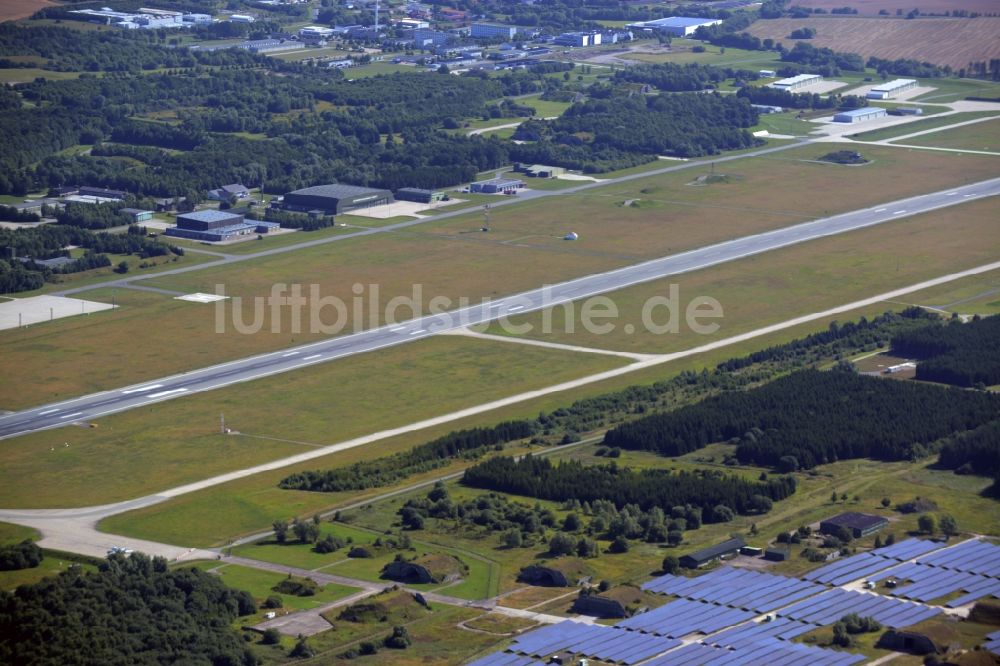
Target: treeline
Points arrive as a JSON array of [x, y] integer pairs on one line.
[[956, 353], [68, 50], [386, 471], [974, 452], [908, 67], [865, 334], [647, 488], [672, 77], [813, 418], [11, 214], [793, 100], [134, 610], [606, 134], [24, 555], [823, 60]]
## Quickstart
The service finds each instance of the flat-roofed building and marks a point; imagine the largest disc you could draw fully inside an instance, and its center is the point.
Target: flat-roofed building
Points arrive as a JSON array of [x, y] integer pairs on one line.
[[796, 82], [892, 88], [706, 555], [859, 115], [858, 524], [676, 26], [335, 199], [214, 226]]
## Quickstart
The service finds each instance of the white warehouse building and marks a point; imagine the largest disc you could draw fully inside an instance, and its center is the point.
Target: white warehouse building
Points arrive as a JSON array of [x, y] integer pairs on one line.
[[796, 82], [891, 88], [676, 26], [859, 115]]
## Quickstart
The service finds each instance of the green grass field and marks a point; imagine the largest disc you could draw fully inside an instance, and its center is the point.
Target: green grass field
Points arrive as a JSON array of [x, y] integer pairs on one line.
[[920, 125], [160, 446], [259, 583], [220, 514], [52, 565], [953, 90], [977, 136], [781, 284], [973, 295], [10, 533]]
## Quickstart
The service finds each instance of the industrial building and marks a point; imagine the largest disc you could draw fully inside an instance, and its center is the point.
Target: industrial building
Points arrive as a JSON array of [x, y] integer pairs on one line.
[[269, 45], [334, 199], [102, 193], [242, 18], [675, 26], [578, 39], [706, 555], [859, 115], [539, 170], [418, 195], [315, 32], [143, 18], [797, 82], [892, 88], [492, 31], [858, 524], [136, 215], [227, 192], [216, 225], [423, 38], [497, 186]]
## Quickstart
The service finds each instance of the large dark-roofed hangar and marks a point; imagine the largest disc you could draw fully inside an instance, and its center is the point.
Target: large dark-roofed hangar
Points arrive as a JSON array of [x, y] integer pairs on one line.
[[335, 199]]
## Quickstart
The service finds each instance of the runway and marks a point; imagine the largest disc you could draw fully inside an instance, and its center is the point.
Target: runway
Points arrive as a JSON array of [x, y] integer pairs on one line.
[[90, 407]]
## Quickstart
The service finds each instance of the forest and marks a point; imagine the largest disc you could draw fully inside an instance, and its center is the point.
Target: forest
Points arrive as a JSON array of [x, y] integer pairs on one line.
[[607, 134], [955, 353], [792, 100], [973, 452], [814, 418], [647, 488], [673, 77], [386, 471], [132, 611]]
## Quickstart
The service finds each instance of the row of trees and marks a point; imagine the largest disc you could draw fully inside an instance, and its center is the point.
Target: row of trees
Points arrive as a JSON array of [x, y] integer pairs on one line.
[[385, 471], [792, 100], [539, 477], [814, 417], [956, 353]]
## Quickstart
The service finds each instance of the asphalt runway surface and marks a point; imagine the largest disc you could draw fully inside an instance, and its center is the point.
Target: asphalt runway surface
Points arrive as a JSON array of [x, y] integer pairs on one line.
[[90, 407]]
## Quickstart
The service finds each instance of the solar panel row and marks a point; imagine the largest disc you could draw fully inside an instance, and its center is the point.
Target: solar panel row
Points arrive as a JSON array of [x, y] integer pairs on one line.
[[830, 606], [595, 641], [781, 628], [768, 650], [907, 549], [931, 583], [739, 588], [682, 617], [993, 642], [974, 555], [851, 568], [988, 587]]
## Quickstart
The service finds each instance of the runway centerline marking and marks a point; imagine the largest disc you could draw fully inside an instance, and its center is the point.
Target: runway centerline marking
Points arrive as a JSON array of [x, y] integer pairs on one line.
[[142, 389], [309, 358], [170, 392], [289, 354], [48, 411], [67, 416]]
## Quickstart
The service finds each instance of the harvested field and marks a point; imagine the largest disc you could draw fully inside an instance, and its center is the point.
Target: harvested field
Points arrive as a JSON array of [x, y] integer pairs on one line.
[[12, 10], [873, 7], [942, 41]]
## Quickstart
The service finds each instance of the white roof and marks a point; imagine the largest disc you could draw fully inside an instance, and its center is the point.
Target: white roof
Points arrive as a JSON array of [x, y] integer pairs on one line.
[[889, 86]]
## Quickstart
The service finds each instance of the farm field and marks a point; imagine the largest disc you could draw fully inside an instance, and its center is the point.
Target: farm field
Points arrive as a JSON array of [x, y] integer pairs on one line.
[[872, 7], [218, 515], [524, 250], [942, 41], [12, 10], [979, 136], [788, 282], [149, 449], [920, 126]]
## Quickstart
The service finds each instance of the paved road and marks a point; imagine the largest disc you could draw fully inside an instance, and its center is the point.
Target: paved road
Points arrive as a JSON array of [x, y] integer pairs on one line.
[[90, 407]]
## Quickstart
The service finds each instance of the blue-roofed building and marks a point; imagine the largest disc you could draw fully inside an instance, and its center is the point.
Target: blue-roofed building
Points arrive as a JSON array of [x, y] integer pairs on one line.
[[215, 226], [675, 26]]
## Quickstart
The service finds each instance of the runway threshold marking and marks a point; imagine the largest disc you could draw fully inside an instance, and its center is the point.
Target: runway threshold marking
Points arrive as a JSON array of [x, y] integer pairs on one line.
[[170, 392], [141, 389]]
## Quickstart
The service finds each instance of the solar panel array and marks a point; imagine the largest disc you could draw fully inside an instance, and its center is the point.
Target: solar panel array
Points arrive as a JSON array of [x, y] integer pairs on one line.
[[974, 556], [767, 650], [831, 605], [993, 643], [592, 640], [907, 549], [683, 617], [848, 569], [781, 628], [739, 588]]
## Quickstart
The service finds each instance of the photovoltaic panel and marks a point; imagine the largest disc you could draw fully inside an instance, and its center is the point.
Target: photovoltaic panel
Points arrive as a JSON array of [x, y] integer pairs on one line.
[[993, 642], [682, 617], [833, 604], [907, 549], [974, 555], [505, 659]]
